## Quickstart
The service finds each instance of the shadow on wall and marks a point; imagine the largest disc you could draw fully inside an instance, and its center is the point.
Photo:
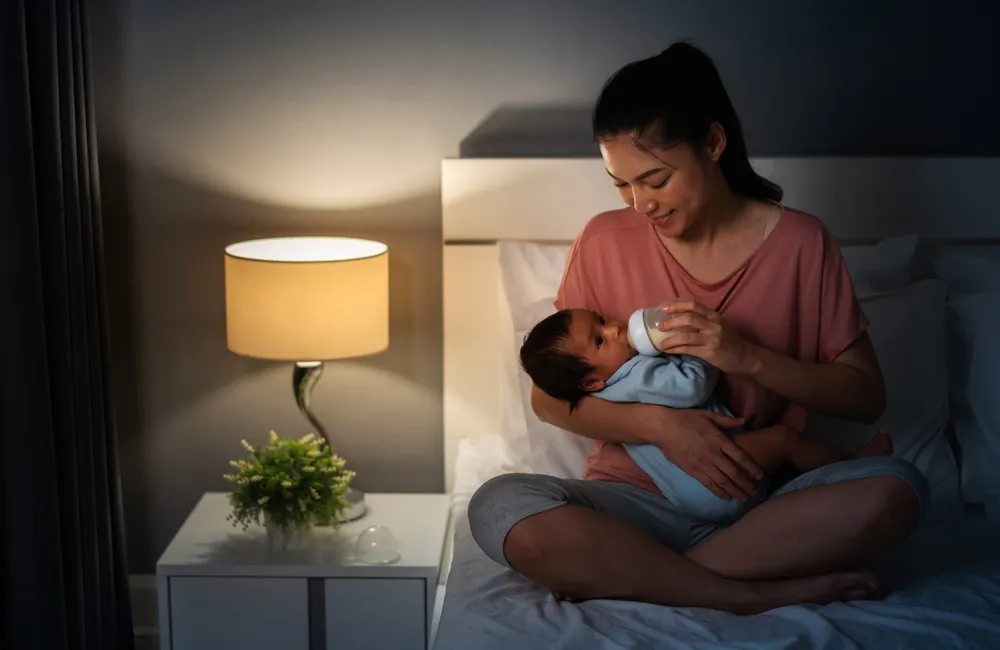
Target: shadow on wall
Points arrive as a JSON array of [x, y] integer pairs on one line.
[[540, 131], [184, 401]]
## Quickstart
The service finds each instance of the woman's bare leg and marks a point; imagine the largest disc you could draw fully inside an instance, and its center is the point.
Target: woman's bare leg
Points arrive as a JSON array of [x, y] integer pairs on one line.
[[590, 539], [814, 531], [582, 554]]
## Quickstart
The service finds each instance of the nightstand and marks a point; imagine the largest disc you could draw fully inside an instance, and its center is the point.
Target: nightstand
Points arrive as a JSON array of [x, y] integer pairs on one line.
[[219, 587]]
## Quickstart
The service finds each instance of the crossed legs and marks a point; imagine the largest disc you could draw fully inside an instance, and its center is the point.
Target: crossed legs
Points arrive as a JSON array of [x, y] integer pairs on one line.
[[587, 539]]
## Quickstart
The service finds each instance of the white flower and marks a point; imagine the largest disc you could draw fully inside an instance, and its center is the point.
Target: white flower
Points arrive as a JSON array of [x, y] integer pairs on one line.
[[306, 439], [247, 446], [308, 469], [272, 436], [314, 452], [262, 500], [286, 484], [256, 477]]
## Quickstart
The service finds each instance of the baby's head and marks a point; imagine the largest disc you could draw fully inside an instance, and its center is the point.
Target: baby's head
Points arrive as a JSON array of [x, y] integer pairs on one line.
[[574, 352]]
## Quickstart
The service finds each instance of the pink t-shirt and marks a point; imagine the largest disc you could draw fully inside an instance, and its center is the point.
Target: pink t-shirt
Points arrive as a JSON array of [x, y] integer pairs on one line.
[[792, 295]]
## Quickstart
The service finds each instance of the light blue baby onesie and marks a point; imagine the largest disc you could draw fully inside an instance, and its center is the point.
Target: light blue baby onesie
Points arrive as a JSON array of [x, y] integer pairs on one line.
[[676, 381]]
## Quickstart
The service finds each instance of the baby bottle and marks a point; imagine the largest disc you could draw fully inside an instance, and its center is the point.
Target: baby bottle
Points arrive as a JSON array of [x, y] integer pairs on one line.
[[644, 333]]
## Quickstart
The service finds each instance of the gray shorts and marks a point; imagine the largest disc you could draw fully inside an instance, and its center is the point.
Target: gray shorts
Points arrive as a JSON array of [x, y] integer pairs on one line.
[[503, 501]]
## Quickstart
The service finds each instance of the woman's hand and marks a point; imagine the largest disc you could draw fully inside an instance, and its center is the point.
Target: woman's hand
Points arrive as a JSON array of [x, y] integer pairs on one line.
[[850, 387], [691, 439], [706, 336]]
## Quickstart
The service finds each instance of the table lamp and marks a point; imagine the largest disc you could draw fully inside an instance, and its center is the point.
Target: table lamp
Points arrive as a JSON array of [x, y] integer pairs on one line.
[[308, 300]]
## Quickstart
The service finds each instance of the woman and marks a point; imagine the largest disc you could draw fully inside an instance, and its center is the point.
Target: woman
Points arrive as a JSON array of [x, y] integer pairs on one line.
[[768, 301]]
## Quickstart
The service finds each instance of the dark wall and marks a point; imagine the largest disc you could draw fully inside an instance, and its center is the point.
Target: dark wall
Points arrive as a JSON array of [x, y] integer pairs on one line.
[[227, 120]]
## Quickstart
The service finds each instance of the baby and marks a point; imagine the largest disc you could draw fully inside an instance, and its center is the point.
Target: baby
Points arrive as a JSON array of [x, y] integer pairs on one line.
[[574, 353]]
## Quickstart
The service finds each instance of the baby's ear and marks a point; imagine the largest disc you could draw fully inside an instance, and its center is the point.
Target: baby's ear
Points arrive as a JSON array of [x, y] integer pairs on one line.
[[593, 384]]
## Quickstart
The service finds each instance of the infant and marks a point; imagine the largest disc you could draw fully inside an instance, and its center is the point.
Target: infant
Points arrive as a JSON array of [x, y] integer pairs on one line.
[[574, 353]]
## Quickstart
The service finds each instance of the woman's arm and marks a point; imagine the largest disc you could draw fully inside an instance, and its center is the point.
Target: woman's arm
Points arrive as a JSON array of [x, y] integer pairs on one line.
[[594, 418], [691, 439], [851, 387]]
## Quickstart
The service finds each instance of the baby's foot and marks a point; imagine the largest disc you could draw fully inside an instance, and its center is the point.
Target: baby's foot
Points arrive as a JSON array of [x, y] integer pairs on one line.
[[879, 445]]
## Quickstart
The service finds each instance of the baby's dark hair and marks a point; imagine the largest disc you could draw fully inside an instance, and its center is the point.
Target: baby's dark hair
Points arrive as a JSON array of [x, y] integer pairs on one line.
[[558, 373]]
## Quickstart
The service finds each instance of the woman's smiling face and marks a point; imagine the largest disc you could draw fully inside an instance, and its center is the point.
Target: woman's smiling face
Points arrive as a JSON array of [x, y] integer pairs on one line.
[[669, 186]]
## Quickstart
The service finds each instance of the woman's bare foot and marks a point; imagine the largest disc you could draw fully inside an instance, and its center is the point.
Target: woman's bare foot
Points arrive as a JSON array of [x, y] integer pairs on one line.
[[879, 445], [817, 590]]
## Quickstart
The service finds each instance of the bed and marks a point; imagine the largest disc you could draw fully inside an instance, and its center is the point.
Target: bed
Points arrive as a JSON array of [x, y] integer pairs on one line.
[[924, 254]]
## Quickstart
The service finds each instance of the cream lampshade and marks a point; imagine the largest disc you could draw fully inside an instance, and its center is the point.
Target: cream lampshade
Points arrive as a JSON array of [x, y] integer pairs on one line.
[[308, 300]]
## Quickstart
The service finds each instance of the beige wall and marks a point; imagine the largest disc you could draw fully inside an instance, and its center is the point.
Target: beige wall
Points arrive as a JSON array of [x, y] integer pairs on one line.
[[226, 120]]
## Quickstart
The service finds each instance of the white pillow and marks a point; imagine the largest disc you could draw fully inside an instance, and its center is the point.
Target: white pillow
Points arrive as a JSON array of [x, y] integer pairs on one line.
[[973, 311], [529, 277], [974, 347], [885, 266], [530, 272], [968, 270], [907, 327]]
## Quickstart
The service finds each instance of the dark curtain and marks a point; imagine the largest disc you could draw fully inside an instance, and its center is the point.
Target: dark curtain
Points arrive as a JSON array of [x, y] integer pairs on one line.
[[64, 581]]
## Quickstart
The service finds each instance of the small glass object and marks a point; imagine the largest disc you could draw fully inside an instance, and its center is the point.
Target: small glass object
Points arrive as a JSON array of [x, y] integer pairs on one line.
[[377, 545]]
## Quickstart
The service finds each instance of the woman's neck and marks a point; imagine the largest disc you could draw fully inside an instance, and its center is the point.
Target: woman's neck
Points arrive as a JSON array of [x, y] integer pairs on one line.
[[725, 214]]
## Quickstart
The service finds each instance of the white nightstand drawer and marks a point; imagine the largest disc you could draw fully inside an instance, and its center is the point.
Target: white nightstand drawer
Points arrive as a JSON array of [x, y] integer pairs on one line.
[[246, 613], [382, 613], [219, 588]]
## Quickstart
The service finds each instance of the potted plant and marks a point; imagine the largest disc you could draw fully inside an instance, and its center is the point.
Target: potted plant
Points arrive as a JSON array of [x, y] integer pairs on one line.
[[288, 486]]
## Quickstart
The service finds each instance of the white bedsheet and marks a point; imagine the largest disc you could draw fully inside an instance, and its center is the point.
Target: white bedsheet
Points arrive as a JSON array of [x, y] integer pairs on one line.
[[947, 595]]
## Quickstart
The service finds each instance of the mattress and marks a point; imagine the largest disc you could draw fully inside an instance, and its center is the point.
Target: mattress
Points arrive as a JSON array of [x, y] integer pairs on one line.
[[947, 595]]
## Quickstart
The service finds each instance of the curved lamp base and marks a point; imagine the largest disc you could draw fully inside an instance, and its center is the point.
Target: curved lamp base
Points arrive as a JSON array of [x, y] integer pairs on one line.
[[304, 377]]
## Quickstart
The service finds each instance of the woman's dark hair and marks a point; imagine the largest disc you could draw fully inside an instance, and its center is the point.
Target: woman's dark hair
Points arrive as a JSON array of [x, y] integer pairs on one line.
[[558, 373], [675, 97]]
